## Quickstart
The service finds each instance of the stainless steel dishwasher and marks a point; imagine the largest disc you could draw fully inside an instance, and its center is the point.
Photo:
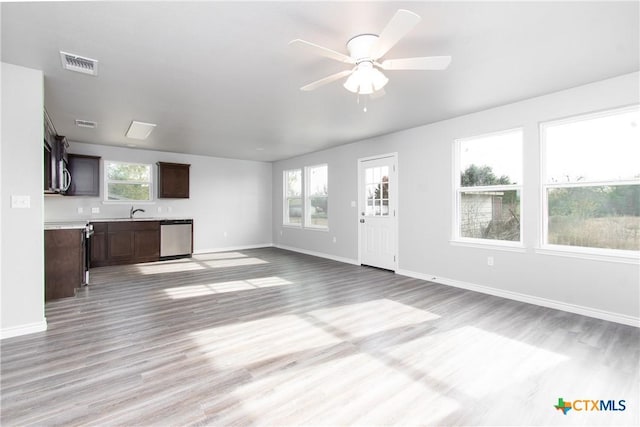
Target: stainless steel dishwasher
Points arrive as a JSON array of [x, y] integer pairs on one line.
[[176, 238]]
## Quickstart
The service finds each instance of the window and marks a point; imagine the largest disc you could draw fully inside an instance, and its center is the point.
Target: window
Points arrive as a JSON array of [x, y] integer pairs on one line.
[[127, 182], [591, 181], [316, 196], [377, 188], [293, 197], [488, 183]]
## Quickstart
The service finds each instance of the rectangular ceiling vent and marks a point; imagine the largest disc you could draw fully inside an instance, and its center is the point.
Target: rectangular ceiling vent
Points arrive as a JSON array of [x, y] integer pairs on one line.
[[86, 124], [79, 64]]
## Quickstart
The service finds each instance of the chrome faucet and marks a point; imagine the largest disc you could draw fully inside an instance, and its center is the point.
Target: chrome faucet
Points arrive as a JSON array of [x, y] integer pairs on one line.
[[133, 211]]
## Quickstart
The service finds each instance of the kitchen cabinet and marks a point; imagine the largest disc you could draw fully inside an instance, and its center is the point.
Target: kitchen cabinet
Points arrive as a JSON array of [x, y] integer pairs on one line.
[[63, 262], [173, 180], [99, 244], [125, 242], [85, 176]]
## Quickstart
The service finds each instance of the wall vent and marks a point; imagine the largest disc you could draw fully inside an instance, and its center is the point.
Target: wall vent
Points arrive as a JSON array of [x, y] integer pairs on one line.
[[86, 124], [79, 64]]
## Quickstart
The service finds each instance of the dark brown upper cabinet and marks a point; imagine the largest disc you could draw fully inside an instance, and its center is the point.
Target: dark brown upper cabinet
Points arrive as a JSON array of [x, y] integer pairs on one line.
[[173, 180], [85, 176]]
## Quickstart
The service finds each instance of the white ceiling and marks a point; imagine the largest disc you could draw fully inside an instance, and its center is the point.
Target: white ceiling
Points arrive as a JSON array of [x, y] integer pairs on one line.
[[219, 79]]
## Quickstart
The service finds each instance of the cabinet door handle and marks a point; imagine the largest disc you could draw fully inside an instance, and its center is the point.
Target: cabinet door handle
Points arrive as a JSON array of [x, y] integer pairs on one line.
[[67, 179]]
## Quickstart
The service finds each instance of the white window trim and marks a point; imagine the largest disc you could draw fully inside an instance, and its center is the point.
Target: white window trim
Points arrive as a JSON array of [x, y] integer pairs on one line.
[[105, 182], [457, 239], [307, 199], [285, 204], [582, 252]]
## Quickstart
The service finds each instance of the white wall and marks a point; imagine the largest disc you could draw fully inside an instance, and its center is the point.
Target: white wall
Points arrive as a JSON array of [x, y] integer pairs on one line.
[[226, 196], [602, 289], [22, 262]]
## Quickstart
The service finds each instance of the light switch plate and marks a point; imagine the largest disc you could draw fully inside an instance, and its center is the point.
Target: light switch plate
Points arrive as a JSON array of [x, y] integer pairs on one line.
[[95, 210], [20, 202]]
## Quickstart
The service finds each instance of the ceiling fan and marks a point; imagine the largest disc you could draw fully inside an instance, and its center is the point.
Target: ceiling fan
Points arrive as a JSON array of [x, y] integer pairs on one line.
[[365, 53]]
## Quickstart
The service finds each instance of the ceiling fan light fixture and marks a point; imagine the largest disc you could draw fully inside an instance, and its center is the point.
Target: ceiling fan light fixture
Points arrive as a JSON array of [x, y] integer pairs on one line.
[[366, 79], [378, 79], [352, 83]]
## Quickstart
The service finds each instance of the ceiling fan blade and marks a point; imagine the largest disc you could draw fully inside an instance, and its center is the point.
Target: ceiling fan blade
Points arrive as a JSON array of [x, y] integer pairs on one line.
[[319, 50], [424, 63], [401, 23], [328, 79]]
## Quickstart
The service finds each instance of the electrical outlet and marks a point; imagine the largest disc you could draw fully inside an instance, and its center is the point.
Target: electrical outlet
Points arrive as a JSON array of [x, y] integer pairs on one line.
[[80, 210], [95, 210], [334, 239], [169, 209], [225, 234], [490, 260], [159, 209], [353, 203]]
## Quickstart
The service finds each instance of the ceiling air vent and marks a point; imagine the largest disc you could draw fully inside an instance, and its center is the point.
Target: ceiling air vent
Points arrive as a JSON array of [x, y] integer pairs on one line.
[[79, 64], [86, 124]]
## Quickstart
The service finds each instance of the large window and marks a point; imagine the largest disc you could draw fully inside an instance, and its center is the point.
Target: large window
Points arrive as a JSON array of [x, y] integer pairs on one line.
[[488, 183], [591, 181], [292, 197], [316, 196], [127, 182]]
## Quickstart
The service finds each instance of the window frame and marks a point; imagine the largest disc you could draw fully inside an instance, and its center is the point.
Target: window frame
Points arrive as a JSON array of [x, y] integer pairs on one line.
[[620, 255], [285, 198], [106, 181], [307, 197], [458, 190]]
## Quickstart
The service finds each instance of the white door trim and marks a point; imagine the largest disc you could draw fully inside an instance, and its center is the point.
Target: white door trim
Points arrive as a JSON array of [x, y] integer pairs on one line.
[[361, 203]]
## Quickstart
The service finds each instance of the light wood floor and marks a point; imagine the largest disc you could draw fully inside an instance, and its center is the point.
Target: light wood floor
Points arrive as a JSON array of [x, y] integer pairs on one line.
[[270, 337]]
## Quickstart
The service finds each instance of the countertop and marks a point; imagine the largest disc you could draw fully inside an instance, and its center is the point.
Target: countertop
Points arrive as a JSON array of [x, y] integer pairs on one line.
[[60, 225], [136, 219], [65, 225]]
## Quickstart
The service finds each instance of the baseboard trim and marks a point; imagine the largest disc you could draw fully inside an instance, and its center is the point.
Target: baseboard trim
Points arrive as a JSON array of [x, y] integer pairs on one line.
[[318, 254], [233, 248], [530, 299], [29, 328]]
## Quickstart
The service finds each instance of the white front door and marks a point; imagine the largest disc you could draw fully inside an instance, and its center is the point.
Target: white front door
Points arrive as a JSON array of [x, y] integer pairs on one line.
[[377, 213]]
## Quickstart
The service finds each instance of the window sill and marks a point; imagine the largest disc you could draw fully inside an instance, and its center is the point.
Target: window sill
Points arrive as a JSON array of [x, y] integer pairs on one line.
[[612, 255], [325, 229], [490, 245], [300, 227], [295, 226], [128, 202]]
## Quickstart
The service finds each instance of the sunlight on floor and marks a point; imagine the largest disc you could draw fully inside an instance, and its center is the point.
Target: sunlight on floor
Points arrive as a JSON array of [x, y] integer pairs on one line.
[[487, 364], [261, 341], [233, 262], [218, 255], [223, 287], [176, 266], [366, 318], [343, 392]]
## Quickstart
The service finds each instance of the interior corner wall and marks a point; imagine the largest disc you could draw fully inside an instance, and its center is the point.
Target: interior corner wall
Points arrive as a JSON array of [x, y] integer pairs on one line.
[[22, 262], [603, 289]]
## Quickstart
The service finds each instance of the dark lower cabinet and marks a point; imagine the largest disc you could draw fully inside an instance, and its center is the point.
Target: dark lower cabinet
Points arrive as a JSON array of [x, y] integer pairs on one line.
[[99, 244], [63, 262], [125, 242]]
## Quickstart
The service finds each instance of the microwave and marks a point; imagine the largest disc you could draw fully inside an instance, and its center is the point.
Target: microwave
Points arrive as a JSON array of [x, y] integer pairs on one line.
[[57, 177]]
